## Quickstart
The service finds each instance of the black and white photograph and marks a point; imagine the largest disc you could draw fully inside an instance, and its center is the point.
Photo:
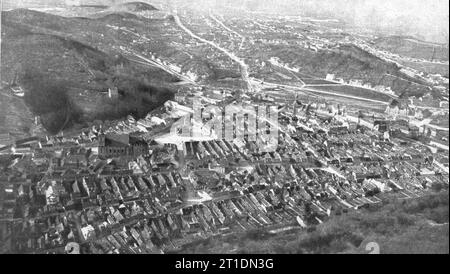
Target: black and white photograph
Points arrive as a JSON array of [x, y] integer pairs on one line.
[[224, 128]]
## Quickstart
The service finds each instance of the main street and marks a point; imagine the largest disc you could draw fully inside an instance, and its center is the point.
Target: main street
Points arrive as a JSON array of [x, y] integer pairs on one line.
[[232, 56]]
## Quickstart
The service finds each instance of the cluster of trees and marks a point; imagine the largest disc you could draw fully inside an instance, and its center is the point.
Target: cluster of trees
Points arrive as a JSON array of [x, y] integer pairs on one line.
[[48, 98], [136, 98]]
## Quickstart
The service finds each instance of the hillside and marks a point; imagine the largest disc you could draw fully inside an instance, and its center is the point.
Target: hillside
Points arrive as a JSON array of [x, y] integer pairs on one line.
[[136, 6], [350, 63], [411, 47], [116, 17], [129, 10], [49, 45]]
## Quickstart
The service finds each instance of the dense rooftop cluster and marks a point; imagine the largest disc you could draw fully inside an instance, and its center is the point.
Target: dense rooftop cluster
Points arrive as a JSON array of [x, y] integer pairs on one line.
[[120, 188]]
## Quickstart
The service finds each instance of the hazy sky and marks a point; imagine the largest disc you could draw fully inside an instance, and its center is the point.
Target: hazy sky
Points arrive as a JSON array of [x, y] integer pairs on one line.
[[425, 19]]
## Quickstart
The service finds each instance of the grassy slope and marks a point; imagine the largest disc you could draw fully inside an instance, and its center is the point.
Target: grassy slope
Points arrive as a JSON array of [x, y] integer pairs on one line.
[[407, 226]]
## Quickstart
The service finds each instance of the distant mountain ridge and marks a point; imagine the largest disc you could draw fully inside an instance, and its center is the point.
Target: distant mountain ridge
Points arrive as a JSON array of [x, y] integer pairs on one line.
[[411, 47], [137, 6]]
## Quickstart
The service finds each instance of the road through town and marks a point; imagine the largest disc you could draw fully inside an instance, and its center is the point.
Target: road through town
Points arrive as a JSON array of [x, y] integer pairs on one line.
[[242, 64]]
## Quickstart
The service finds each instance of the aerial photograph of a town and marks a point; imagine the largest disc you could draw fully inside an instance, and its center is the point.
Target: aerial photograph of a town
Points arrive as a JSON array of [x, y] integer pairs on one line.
[[224, 127]]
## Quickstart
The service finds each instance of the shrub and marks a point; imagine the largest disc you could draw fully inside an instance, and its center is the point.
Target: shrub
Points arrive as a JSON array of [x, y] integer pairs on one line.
[[405, 219], [438, 215], [257, 234]]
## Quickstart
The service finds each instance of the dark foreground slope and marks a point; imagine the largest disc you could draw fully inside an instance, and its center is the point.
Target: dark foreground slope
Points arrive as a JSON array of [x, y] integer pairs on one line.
[[397, 226]]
